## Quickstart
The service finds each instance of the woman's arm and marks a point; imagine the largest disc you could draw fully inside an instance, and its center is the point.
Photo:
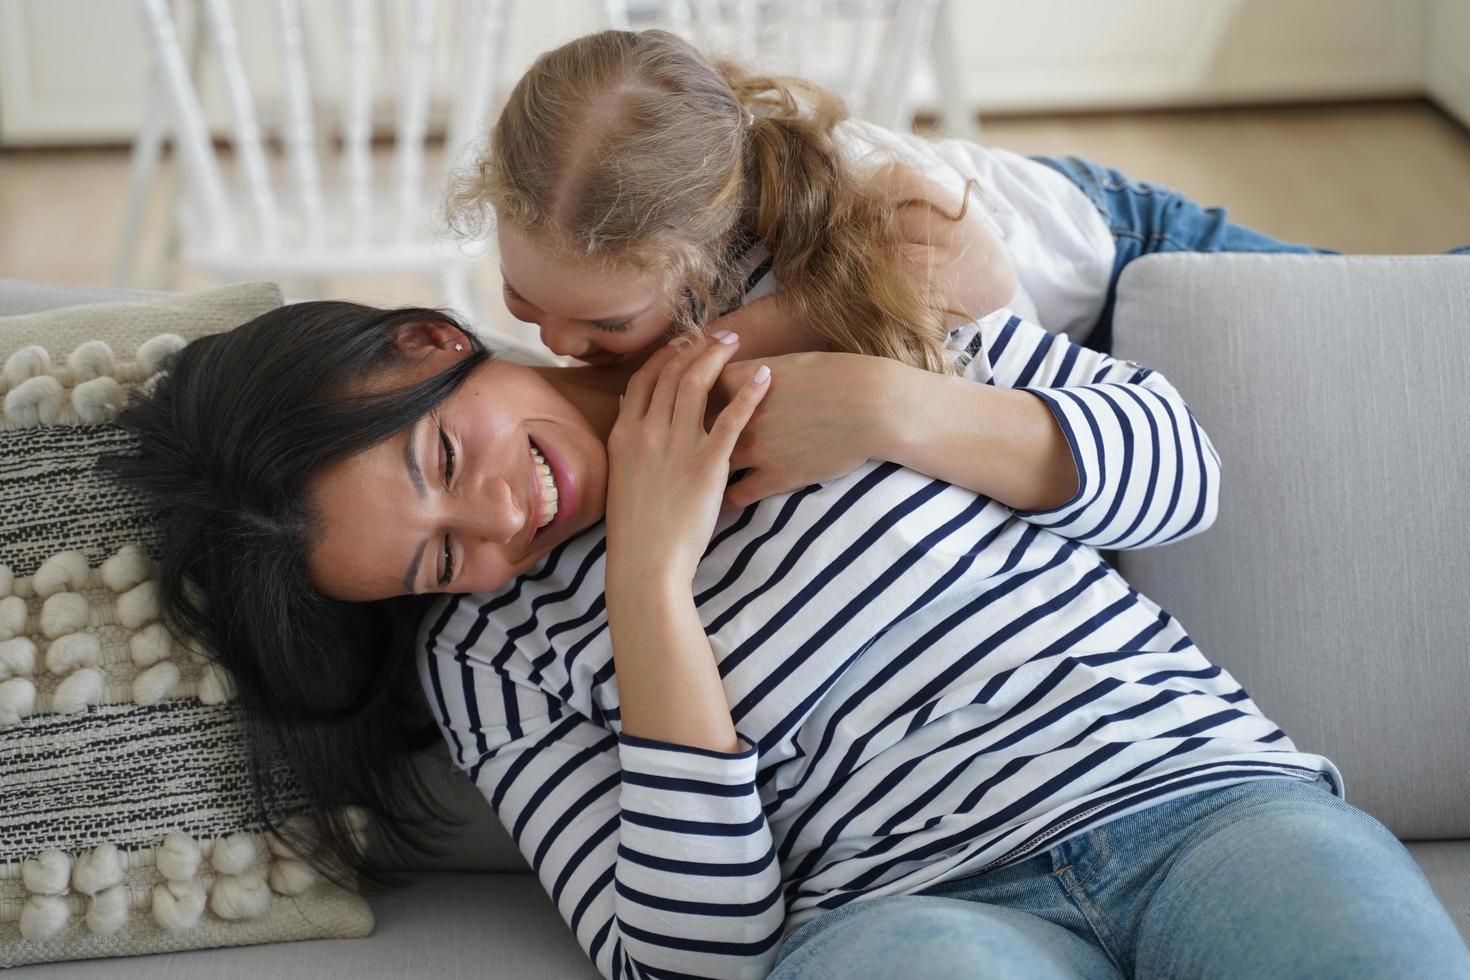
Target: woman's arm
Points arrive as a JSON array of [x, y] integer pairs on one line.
[[1000, 442], [657, 855], [1147, 473], [1141, 470], [950, 247], [666, 475]]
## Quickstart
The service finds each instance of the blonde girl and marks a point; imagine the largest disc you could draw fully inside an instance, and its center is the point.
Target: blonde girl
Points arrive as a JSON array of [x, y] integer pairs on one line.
[[629, 166]]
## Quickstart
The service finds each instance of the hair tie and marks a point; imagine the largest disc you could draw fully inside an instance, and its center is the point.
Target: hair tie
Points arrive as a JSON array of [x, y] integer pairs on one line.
[[749, 117]]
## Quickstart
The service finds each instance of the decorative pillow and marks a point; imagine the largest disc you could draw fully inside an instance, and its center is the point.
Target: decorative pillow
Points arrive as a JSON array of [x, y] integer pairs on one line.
[[125, 813]]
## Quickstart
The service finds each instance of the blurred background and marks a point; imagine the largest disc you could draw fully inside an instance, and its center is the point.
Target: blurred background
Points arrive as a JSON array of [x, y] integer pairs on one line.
[[178, 143]]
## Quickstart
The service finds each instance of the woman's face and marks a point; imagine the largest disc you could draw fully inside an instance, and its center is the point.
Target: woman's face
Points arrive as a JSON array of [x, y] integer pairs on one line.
[[584, 311], [475, 493]]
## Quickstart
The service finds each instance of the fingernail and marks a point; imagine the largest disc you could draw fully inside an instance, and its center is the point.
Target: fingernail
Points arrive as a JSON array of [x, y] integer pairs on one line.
[[762, 374], [726, 337]]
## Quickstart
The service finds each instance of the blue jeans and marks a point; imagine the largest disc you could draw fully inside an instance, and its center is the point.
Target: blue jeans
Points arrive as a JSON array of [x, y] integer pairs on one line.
[[1146, 218], [1270, 878]]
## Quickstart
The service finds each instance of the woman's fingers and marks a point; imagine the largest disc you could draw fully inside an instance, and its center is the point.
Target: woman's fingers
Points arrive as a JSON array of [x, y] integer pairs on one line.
[[691, 394], [732, 420], [641, 385], [665, 389]]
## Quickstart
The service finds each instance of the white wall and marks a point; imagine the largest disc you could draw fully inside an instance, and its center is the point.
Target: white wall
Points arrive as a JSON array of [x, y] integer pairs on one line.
[[1060, 54], [1449, 56], [73, 71]]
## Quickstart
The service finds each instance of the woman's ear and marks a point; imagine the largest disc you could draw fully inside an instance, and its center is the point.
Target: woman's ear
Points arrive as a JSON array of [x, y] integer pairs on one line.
[[426, 336]]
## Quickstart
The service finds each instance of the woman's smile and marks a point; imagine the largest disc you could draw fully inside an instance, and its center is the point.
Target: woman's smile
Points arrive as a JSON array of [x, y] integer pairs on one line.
[[503, 471]]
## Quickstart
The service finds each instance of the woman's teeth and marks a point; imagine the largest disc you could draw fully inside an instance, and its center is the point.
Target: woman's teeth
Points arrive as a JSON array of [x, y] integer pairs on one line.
[[548, 489]]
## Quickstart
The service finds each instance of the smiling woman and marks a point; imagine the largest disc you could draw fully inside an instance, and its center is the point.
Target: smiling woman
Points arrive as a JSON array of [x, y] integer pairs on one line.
[[466, 497], [234, 463]]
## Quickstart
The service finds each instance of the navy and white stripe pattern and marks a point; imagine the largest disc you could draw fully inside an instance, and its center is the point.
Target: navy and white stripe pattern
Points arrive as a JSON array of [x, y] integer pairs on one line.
[[925, 684]]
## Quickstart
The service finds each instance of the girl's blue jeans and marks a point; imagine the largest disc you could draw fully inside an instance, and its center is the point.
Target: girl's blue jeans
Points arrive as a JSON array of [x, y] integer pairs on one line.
[[1272, 878], [1146, 218]]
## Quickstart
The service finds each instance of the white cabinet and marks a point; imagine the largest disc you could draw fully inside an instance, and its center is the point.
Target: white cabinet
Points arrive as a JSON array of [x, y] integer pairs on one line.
[[71, 71]]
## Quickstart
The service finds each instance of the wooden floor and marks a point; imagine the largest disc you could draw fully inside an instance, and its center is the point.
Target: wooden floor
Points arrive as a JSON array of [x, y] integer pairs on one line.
[[1366, 178], [1391, 178]]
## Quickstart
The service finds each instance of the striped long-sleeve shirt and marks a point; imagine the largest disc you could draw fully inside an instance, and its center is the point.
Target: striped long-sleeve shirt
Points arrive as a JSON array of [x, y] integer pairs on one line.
[[925, 684]]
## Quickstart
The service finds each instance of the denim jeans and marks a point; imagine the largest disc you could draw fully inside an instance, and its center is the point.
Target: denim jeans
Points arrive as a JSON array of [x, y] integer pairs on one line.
[[1146, 218], [1275, 877]]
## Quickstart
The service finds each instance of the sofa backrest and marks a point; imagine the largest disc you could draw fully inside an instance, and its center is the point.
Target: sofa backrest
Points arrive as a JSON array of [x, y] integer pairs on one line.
[[1335, 584]]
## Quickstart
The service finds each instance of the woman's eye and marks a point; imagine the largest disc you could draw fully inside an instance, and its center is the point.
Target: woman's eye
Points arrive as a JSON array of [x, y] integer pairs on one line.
[[448, 455], [447, 576], [611, 326]]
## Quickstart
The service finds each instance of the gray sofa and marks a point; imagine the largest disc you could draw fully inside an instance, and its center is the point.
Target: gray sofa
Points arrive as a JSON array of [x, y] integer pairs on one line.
[[1335, 584]]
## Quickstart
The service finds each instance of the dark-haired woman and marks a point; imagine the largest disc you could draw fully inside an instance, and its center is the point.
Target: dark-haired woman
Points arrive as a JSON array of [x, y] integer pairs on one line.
[[881, 726]]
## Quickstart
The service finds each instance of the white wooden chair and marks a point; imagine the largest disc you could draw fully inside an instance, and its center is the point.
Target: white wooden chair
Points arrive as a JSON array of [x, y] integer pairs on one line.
[[300, 201], [868, 51]]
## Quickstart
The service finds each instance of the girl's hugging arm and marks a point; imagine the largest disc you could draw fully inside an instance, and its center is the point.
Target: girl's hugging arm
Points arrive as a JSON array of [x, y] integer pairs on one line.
[[1143, 471], [657, 855]]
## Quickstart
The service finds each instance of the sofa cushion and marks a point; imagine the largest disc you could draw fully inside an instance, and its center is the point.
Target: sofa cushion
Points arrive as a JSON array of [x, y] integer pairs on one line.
[[1335, 584], [60, 318], [504, 927], [492, 926], [126, 823]]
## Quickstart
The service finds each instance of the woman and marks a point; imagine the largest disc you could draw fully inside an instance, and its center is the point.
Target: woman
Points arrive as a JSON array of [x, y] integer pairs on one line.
[[881, 725]]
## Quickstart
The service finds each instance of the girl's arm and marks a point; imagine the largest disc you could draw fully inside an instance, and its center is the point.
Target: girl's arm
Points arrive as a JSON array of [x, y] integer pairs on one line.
[[1147, 474], [652, 843]]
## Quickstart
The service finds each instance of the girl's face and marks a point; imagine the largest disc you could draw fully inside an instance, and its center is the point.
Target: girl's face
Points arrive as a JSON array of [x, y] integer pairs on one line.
[[471, 495], [584, 311]]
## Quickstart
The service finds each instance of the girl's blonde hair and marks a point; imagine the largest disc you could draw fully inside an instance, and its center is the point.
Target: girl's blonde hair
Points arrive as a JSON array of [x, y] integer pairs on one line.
[[633, 148]]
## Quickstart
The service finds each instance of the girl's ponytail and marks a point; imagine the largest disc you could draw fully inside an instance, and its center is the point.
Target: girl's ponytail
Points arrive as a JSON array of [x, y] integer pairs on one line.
[[833, 237]]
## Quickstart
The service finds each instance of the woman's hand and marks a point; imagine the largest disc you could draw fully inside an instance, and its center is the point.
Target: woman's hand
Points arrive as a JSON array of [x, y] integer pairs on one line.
[[666, 473], [825, 416]]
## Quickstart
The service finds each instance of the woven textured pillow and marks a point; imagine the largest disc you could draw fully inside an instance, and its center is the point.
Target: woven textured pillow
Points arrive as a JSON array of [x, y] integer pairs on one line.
[[125, 815]]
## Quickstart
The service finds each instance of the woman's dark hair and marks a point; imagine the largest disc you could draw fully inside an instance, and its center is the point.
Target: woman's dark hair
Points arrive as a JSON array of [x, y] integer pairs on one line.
[[231, 437]]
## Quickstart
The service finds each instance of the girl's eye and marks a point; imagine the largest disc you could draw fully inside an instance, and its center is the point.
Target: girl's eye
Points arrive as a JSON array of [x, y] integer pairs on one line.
[[611, 326], [512, 293], [447, 575]]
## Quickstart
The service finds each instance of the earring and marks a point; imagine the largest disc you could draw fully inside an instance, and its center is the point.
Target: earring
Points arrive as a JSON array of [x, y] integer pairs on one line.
[[459, 347]]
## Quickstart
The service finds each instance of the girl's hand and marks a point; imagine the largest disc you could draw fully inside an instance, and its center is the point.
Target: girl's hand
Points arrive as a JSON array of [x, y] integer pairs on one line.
[[666, 473], [827, 415]]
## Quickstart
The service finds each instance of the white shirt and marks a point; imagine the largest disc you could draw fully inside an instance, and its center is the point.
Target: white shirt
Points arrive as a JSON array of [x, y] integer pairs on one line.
[[1062, 248]]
